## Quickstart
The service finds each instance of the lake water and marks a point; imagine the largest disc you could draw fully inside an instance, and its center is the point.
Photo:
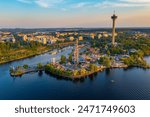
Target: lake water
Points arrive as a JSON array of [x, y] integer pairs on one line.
[[133, 83], [147, 59]]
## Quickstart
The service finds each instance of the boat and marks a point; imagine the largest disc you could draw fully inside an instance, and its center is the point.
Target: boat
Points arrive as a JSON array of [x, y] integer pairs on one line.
[[112, 81], [53, 52]]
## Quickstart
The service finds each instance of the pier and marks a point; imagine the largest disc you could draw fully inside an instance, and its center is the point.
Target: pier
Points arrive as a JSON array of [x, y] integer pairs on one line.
[[21, 71]]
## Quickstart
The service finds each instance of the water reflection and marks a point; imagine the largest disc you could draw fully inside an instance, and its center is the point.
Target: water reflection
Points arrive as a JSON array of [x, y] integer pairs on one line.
[[107, 71], [131, 68], [40, 73], [91, 78], [147, 58]]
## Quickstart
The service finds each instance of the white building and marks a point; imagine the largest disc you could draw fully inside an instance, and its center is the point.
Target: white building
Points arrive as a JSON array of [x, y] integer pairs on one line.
[[53, 60], [80, 38], [99, 36], [71, 38]]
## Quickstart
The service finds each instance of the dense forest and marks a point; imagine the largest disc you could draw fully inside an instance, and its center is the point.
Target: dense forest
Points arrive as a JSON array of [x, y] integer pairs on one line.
[[20, 49]]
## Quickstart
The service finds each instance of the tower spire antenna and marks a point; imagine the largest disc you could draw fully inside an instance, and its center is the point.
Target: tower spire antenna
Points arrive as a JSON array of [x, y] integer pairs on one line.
[[114, 12]]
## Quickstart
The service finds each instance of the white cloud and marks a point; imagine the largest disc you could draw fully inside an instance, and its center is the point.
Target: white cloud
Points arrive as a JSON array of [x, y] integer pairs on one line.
[[80, 5], [25, 1], [124, 3], [43, 3], [136, 1], [105, 3], [64, 9]]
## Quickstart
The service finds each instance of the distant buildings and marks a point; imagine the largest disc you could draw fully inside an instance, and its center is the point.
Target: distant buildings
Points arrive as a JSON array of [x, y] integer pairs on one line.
[[105, 34], [80, 38], [7, 37], [40, 38], [92, 36], [53, 60], [51, 38], [99, 36], [44, 40], [71, 38], [137, 35]]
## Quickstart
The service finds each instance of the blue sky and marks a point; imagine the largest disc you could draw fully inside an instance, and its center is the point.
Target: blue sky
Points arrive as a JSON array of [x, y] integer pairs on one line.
[[73, 13]]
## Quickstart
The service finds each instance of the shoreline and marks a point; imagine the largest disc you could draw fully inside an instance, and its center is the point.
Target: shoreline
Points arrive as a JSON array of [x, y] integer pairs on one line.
[[71, 77], [77, 76], [30, 56], [43, 52], [63, 76]]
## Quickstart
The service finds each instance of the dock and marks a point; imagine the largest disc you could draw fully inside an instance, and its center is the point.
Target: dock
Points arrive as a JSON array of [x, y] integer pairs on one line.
[[22, 71]]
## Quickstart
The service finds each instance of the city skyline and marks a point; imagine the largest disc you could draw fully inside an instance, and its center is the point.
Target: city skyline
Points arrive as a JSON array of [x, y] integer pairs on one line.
[[73, 14]]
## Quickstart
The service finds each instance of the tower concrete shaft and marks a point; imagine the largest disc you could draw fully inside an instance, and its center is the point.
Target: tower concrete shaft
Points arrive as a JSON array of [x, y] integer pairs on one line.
[[114, 17]]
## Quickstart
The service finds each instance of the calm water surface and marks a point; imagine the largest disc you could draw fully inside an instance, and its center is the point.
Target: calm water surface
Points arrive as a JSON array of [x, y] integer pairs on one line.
[[130, 84]]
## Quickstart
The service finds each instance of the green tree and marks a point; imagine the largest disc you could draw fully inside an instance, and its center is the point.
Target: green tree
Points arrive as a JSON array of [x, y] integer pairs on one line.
[[108, 52], [70, 58], [75, 72], [39, 66], [140, 54], [83, 71], [25, 66], [105, 61], [63, 59], [93, 67]]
